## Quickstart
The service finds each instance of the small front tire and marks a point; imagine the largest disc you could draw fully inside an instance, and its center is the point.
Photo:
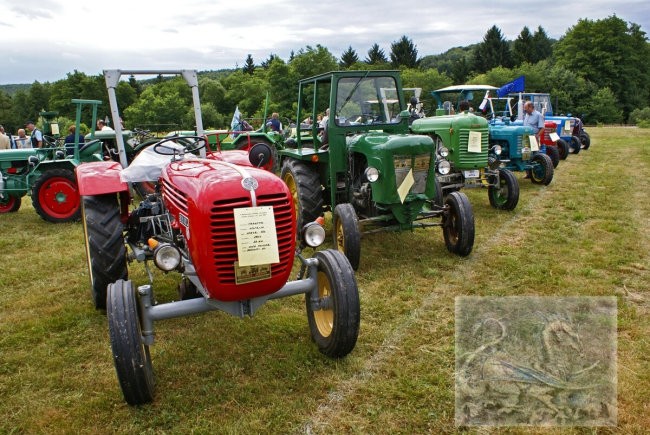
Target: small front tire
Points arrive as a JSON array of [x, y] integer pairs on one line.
[[506, 195], [130, 355], [458, 224], [542, 169], [575, 144], [333, 310], [10, 205]]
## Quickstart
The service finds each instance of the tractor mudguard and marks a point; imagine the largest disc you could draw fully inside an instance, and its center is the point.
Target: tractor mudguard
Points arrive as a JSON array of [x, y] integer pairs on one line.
[[96, 178]]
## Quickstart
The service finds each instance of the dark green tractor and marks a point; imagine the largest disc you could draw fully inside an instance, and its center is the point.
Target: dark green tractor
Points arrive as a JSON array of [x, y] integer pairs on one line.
[[47, 174], [463, 148], [361, 163]]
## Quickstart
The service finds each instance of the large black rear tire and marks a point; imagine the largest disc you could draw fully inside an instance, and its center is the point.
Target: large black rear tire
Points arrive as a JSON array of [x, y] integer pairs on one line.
[[563, 149], [554, 154], [130, 355], [347, 235], [506, 195], [335, 327], [105, 250], [458, 224], [304, 185]]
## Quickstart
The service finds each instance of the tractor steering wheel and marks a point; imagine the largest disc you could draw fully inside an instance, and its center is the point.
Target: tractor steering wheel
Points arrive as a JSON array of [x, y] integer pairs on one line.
[[189, 144]]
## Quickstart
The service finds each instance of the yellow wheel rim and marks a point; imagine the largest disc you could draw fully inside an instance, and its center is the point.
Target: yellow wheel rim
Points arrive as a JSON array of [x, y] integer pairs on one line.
[[85, 227], [324, 319], [293, 188], [340, 237]]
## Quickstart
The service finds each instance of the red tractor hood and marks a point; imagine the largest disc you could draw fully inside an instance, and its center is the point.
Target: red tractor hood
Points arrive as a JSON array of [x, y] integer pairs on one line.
[[201, 196]]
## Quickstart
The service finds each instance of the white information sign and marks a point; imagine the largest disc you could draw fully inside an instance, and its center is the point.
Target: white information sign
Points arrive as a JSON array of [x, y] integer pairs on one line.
[[257, 241], [406, 185], [554, 137], [474, 144], [534, 146]]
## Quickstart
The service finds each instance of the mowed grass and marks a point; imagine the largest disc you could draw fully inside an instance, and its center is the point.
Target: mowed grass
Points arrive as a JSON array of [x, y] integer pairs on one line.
[[587, 233]]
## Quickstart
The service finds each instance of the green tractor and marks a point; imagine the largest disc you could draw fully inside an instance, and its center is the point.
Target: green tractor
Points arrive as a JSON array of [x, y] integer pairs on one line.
[[361, 163], [463, 148], [47, 174]]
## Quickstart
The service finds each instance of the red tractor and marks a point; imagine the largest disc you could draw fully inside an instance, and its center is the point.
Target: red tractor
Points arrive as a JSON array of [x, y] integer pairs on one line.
[[226, 226], [556, 148]]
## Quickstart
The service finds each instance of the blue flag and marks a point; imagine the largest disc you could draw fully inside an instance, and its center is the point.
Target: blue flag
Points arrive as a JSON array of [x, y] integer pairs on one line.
[[517, 85]]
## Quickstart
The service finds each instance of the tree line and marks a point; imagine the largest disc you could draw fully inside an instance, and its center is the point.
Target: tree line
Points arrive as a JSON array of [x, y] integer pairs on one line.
[[598, 70]]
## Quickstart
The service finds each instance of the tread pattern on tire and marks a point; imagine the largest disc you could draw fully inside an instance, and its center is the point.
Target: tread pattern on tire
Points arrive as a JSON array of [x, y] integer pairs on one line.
[[462, 208], [131, 358], [310, 194], [105, 244], [345, 303]]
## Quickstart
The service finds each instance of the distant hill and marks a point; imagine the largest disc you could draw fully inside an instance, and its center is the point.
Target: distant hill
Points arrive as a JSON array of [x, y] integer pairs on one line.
[[11, 89]]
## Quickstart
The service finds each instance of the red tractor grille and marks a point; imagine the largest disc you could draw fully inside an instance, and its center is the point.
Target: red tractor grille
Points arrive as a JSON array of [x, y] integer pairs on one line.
[[224, 242], [174, 197]]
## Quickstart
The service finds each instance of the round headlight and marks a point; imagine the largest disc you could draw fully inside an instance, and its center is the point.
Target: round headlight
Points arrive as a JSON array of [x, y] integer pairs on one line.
[[444, 167], [372, 174], [443, 151], [313, 234], [166, 257], [497, 149]]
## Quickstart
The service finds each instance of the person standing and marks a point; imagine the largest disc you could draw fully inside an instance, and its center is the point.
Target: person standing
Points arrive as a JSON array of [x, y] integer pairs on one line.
[[274, 122], [22, 141], [37, 136], [533, 119], [101, 126], [5, 143]]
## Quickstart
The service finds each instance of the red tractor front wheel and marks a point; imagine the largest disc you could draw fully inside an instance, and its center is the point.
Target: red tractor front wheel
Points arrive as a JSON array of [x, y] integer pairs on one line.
[[55, 196]]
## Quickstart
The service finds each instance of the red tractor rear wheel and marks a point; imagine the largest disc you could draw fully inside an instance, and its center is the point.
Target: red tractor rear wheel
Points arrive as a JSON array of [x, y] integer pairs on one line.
[[55, 196]]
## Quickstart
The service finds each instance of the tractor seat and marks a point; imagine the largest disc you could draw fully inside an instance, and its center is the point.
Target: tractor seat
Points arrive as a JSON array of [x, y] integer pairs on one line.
[[69, 147]]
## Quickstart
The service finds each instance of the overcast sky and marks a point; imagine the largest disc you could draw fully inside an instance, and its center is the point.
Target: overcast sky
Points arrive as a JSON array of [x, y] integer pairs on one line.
[[45, 39]]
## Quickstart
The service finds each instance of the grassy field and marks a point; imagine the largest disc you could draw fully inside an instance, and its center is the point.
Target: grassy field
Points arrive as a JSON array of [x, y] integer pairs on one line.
[[587, 233]]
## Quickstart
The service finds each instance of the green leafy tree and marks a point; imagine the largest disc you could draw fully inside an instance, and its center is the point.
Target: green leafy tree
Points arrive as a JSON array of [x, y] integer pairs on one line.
[[543, 45], [249, 65], [310, 61], [376, 56], [348, 58], [268, 61], [404, 53], [609, 53], [282, 88], [10, 123], [38, 98], [640, 116], [602, 107], [162, 106], [213, 92], [492, 52], [523, 49], [246, 91], [460, 70], [428, 80]]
